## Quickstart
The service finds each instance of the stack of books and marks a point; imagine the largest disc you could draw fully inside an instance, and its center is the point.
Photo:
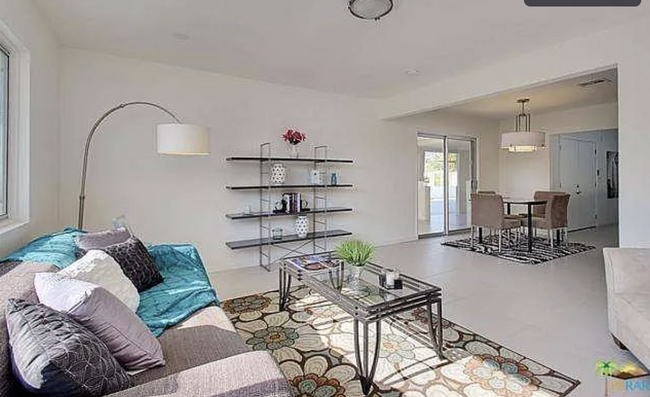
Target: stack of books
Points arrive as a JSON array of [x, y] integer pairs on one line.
[[294, 203]]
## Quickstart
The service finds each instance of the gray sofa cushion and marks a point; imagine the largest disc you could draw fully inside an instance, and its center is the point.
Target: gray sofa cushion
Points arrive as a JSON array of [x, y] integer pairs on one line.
[[16, 281], [126, 336], [250, 374], [54, 355], [204, 337], [136, 263]]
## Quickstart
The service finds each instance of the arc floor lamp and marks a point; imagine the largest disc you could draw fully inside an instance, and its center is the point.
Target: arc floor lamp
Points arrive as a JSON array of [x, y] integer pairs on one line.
[[174, 139]]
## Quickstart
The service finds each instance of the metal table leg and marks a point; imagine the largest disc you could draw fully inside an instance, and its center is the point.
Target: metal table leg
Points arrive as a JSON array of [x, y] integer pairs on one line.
[[284, 287], [480, 235], [530, 227], [436, 334], [366, 372]]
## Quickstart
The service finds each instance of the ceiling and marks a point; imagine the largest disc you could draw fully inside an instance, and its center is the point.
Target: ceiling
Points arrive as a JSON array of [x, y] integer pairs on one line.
[[318, 44], [564, 94]]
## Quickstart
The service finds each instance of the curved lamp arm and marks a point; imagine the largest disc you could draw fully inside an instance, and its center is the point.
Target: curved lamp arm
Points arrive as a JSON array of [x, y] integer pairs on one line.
[[82, 194]]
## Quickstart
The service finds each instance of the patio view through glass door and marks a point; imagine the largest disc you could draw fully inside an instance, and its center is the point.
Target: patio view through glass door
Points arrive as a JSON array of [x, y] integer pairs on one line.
[[446, 175]]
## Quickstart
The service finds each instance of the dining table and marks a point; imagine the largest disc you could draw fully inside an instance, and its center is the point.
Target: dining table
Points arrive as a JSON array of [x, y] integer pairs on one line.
[[529, 203]]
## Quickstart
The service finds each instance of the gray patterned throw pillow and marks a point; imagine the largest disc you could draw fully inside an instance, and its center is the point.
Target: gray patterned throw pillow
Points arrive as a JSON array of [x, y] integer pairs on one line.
[[136, 263], [54, 355], [99, 240]]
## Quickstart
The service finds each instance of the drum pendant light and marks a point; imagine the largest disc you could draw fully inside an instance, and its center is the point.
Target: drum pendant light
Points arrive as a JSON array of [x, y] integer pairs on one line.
[[523, 140]]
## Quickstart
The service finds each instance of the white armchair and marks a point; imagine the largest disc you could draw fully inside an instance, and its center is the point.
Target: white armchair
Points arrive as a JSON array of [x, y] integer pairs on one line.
[[627, 271]]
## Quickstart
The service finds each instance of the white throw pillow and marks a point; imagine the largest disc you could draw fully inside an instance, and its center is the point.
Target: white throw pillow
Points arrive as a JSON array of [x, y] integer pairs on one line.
[[97, 267]]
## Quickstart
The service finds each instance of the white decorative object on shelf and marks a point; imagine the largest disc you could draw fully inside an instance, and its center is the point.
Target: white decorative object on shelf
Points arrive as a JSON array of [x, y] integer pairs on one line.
[[294, 151], [302, 226], [278, 174], [316, 177]]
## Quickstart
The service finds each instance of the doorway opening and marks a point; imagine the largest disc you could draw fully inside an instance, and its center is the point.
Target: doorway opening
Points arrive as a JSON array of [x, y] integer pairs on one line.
[[585, 165], [447, 175]]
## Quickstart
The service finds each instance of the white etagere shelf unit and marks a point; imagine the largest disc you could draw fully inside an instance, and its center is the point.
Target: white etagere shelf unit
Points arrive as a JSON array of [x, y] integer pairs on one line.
[[316, 241]]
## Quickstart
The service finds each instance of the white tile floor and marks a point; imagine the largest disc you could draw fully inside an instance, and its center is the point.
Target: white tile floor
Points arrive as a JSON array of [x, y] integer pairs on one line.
[[553, 313]]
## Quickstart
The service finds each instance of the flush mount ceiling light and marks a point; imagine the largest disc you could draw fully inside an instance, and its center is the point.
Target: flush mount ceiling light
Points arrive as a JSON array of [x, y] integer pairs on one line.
[[370, 9], [523, 139]]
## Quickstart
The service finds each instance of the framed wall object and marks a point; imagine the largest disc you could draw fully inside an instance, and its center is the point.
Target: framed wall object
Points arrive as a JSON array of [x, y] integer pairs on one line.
[[612, 175]]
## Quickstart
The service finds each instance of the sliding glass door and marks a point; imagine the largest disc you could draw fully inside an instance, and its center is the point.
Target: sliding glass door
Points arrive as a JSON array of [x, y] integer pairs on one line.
[[446, 179], [431, 185], [460, 173]]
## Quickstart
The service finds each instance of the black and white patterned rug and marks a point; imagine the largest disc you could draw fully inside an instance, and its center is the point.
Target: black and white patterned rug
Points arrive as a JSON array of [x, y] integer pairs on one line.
[[518, 251]]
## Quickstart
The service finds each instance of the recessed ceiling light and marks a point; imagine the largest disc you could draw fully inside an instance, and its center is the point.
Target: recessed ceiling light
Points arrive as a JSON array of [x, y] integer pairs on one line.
[[412, 72], [180, 36]]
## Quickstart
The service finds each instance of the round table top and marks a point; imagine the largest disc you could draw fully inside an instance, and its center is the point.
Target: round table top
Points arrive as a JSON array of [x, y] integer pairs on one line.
[[517, 200]]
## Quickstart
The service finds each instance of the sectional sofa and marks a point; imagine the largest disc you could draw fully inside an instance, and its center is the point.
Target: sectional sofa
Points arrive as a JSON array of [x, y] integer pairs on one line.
[[204, 355]]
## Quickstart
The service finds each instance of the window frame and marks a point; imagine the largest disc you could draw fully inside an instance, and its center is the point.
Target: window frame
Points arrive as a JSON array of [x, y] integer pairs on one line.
[[4, 153], [18, 133]]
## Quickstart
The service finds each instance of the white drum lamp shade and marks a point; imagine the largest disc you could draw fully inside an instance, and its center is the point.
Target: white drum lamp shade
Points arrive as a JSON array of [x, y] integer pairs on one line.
[[183, 139], [523, 141]]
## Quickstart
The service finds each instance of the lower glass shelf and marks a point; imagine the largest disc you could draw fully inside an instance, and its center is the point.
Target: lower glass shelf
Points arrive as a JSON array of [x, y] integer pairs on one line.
[[235, 245]]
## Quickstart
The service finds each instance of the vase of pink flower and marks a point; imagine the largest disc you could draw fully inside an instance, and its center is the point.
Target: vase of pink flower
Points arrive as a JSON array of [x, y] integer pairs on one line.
[[293, 139]]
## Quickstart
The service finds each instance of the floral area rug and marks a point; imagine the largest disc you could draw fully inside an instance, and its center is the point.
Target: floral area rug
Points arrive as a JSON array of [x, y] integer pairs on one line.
[[313, 342]]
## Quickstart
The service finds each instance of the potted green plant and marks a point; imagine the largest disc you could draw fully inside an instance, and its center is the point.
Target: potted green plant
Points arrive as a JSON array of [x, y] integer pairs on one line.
[[355, 253]]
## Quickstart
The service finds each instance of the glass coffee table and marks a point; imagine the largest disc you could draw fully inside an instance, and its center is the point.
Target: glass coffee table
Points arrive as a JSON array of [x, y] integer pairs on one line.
[[369, 304]]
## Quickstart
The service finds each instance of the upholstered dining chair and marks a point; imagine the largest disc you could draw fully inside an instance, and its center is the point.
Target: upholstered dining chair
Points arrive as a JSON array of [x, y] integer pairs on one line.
[[487, 192], [555, 216], [540, 210], [487, 212]]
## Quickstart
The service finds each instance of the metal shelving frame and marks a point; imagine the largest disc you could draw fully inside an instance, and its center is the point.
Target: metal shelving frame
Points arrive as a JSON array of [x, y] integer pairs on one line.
[[319, 219], [266, 205]]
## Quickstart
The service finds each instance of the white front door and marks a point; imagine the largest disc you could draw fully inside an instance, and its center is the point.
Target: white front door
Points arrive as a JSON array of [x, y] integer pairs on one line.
[[578, 178]]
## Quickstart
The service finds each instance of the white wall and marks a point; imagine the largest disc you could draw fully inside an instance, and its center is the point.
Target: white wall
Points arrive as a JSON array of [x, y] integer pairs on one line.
[[25, 22], [184, 199], [443, 122], [625, 47], [523, 173]]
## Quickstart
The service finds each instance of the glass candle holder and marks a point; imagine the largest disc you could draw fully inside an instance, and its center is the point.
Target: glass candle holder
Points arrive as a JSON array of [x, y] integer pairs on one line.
[[390, 278], [276, 233]]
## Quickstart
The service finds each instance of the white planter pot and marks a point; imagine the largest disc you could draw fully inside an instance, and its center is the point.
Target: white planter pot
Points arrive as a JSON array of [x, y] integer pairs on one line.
[[278, 174], [302, 226]]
